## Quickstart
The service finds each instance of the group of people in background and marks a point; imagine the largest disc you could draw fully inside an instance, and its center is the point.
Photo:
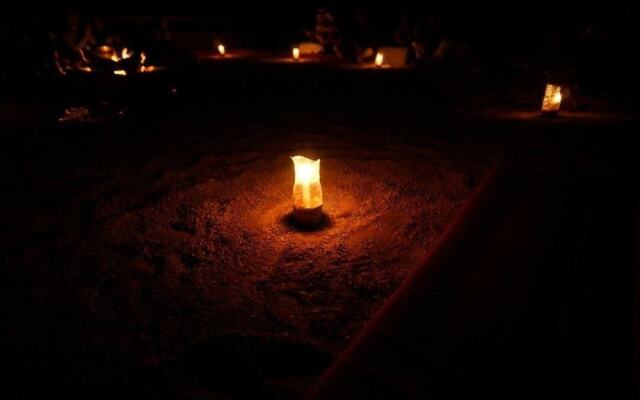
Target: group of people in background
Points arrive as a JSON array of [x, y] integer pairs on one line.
[[39, 45], [55, 45], [356, 38]]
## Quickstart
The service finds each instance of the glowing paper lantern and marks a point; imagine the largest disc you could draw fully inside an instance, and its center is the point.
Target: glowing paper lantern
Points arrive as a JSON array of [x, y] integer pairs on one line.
[[379, 60], [552, 99], [221, 50], [126, 53], [307, 191], [296, 53]]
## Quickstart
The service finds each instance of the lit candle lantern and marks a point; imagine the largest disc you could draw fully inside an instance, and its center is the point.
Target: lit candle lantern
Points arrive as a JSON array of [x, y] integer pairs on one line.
[[307, 191], [296, 53], [221, 50], [126, 53], [552, 99], [379, 59]]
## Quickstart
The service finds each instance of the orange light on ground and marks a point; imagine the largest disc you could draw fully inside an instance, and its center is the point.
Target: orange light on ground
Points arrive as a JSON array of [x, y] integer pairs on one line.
[[105, 52], [295, 53], [307, 191], [379, 59], [221, 50], [552, 99]]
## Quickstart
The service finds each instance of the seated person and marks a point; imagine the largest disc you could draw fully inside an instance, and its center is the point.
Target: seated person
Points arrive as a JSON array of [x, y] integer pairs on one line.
[[73, 42], [325, 32]]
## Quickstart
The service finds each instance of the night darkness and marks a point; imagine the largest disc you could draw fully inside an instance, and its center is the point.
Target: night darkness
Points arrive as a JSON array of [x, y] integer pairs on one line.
[[462, 221]]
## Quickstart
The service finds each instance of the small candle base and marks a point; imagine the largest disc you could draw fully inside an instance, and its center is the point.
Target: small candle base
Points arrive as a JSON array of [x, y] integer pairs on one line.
[[308, 216]]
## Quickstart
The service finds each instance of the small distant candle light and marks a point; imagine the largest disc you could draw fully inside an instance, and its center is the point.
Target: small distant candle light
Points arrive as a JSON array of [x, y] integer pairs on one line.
[[307, 191], [120, 72], [379, 59], [126, 53], [296, 53], [221, 50], [552, 99]]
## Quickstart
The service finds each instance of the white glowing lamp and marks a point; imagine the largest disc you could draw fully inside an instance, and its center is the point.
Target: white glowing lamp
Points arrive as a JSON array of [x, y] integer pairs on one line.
[[379, 59], [552, 99], [296, 53], [126, 53], [221, 50], [307, 191]]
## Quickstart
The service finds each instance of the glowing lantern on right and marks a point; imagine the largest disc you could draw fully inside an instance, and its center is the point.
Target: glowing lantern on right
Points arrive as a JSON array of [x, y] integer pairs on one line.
[[552, 99]]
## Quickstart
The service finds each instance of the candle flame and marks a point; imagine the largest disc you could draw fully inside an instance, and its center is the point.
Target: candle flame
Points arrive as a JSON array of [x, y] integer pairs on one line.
[[552, 98], [120, 72], [307, 191], [221, 49], [379, 59], [296, 53]]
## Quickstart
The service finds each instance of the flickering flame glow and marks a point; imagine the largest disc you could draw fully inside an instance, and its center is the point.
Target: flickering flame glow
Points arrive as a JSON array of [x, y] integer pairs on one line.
[[379, 59], [105, 51], [120, 72], [123, 55], [143, 58], [307, 191], [296, 53], [221, 50], [552, 99]]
